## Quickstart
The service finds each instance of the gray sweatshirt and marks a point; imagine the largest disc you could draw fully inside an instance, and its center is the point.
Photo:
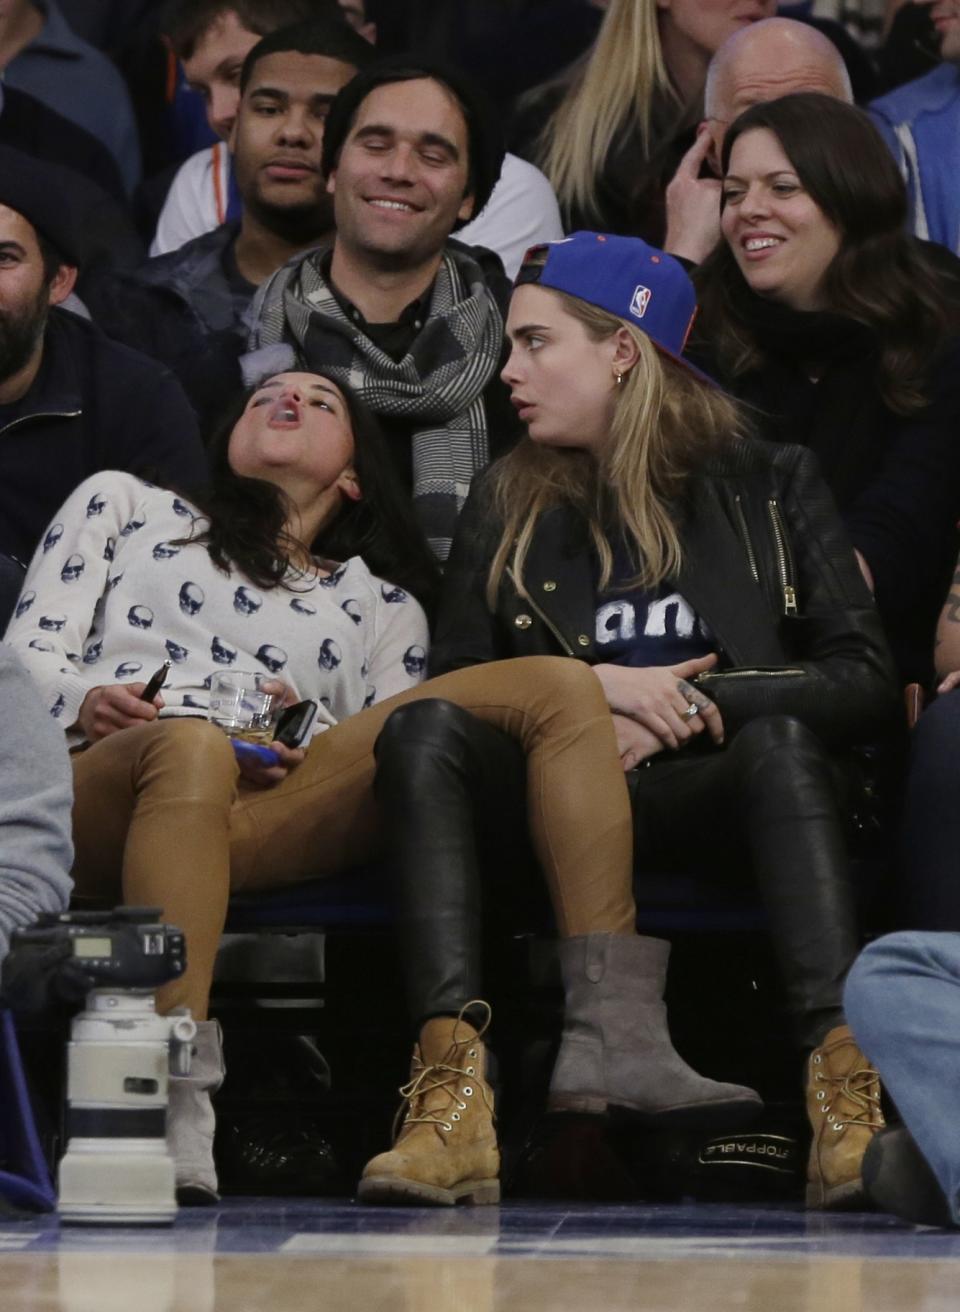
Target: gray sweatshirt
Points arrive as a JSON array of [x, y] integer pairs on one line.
[[36, 793]]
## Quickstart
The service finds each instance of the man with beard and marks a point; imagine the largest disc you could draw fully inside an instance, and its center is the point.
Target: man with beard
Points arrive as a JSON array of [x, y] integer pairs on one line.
[[71, 401], [188, 308]]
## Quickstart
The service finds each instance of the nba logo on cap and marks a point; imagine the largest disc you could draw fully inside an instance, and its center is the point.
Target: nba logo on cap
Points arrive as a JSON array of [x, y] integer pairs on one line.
[[641, 299]]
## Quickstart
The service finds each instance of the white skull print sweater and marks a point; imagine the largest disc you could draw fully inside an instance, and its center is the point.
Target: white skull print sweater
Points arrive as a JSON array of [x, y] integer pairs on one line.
[[114, 591]]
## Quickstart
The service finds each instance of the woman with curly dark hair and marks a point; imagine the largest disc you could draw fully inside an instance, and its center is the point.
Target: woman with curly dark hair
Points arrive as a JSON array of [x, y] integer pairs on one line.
[[840, 331]]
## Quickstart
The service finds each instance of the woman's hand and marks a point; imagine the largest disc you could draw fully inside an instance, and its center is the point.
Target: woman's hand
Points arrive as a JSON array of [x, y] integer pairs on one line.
[[693, 204], [657, 697], [950, 682], [110, 707], [267, 776], [285, 695], [634, 743]]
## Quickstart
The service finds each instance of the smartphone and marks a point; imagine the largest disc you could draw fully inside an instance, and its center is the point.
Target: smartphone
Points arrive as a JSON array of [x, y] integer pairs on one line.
[[295, 724], [156, 683]]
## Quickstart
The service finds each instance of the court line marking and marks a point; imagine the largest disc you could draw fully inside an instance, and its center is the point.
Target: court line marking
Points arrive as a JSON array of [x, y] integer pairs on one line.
[[391, 1245]]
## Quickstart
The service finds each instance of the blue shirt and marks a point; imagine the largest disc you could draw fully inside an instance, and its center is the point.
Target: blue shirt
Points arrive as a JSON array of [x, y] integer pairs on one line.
[[920, 122], [643, 627]]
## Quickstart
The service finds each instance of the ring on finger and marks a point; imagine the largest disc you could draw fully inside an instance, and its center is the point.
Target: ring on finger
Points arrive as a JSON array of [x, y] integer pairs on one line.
[[692, 710]]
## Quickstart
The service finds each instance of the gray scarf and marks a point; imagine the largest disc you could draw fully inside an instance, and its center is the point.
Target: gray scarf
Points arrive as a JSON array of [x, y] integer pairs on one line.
[[438, 385]]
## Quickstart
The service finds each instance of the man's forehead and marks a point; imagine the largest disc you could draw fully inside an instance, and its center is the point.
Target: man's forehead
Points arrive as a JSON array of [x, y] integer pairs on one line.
[[750, 85], [301, 75], [14, 227], [417, 105], [225, 38]]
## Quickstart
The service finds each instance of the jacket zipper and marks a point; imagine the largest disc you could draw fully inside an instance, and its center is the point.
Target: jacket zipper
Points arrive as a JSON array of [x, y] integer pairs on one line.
[[522, 592], [745, 534], [40, 414], [784, 559], [707, 676]]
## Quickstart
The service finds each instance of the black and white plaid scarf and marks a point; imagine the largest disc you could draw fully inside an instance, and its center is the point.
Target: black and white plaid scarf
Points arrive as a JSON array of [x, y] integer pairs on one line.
[[438, 385]]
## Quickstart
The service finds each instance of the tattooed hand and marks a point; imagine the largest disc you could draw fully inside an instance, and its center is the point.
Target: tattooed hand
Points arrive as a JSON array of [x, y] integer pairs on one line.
[[659, 698]]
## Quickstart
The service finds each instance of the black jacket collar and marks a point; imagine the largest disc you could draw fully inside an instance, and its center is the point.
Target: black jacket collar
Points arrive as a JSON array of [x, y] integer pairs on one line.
[[714, 578], [56, 389]]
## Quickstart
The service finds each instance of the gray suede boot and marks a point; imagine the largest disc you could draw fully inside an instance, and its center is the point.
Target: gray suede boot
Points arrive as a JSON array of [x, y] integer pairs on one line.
[[190, 1119], [616, 1050]]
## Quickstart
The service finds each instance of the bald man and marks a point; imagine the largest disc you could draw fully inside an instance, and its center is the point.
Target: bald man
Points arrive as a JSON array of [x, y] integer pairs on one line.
[[920, 122], [761, 62]]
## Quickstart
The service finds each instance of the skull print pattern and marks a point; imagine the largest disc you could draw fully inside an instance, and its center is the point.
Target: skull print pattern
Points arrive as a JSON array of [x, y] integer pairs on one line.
[[118, 586]]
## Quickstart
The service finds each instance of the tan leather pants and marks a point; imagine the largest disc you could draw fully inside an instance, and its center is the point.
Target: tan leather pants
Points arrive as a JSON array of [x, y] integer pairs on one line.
[[161, 817]]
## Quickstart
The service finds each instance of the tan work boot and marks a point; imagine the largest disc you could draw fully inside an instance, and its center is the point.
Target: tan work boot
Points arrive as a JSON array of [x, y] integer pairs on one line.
[[446, 1149], [843, 1105]]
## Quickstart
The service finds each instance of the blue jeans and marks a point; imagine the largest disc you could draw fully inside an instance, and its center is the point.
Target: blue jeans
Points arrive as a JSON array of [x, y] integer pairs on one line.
[[902, 1002]]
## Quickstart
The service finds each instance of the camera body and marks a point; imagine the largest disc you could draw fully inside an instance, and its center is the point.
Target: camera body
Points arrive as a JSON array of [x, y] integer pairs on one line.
[[126, 948], [117, 1168]]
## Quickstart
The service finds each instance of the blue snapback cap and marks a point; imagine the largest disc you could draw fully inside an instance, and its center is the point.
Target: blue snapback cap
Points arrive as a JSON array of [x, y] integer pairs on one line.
[[626, 277]]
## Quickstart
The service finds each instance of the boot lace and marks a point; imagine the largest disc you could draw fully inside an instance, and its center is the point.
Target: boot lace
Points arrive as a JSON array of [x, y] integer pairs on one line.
[[446, 1077], [861, 1089]]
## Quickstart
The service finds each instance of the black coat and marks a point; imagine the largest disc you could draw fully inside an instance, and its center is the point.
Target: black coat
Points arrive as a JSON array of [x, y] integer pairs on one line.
[[631, 184], [896, 479], [94, 405], [180, 310], [766, 564]]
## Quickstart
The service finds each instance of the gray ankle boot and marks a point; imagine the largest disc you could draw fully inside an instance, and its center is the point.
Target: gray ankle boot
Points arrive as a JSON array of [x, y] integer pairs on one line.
[[616, 1049], [190, 1120]]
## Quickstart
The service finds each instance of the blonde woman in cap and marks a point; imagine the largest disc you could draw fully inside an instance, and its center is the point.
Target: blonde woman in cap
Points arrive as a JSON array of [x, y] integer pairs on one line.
[[707, 580]]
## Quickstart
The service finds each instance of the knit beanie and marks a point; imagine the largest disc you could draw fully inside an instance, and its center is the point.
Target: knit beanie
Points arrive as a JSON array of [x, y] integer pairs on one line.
[[40, 192]]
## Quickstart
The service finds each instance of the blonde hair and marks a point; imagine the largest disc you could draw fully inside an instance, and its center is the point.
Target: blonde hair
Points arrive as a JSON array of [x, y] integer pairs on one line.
[[665, 423], [613, 91]]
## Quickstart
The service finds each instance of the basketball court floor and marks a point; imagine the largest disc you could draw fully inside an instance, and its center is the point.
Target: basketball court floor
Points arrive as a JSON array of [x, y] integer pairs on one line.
[[274, 1255]]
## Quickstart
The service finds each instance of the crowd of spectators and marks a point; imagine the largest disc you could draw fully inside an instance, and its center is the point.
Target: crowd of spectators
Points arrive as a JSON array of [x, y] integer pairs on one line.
[[302, 370]]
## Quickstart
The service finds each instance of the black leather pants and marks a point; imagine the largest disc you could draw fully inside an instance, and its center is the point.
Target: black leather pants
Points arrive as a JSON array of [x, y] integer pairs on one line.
[[771, 803], [451, 794], [450, 790]]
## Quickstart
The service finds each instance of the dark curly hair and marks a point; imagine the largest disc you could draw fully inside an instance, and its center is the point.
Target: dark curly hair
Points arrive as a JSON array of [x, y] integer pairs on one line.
[[880, 277], [247, 516]]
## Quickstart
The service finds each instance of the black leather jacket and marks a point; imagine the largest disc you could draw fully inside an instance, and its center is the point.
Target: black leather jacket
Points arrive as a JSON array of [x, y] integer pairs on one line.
[[767, 565]]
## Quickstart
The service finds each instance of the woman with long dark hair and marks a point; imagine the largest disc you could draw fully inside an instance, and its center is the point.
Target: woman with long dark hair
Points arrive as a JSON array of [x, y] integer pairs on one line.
[[707, 580], [273, 571], [840, 332]]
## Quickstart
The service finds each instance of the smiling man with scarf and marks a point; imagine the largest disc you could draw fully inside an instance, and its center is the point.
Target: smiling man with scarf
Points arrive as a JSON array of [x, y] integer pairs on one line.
[[409, 318]]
